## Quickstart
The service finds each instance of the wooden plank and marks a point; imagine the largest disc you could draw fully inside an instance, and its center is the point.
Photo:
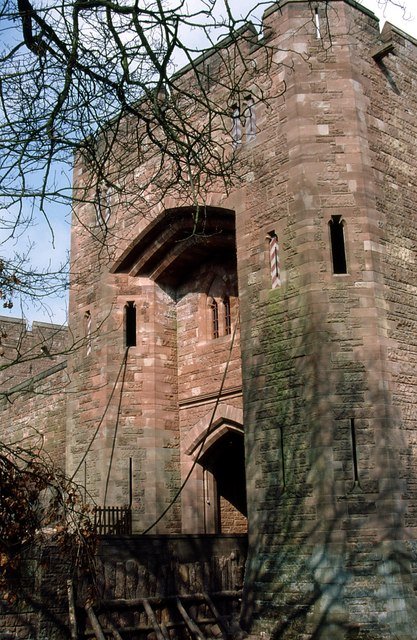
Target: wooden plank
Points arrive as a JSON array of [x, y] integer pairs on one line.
[[98, 632], [164, 630], [134, 629], [115, 633], [71, 610], [219, 619], [152, 619], [192, 627], [159, 600]]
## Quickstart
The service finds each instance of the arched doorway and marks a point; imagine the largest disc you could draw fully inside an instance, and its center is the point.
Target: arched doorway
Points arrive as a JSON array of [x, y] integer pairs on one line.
[[225, 484]]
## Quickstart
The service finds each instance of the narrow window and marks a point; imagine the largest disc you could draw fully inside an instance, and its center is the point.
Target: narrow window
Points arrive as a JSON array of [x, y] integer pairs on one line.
[[227, 317], [207, 74], [130, 324], [214, 318], [108, 204], [281, 431], [274, 260], [87, 331], [250, 119], [99, 204], [104, 204], [236, 126], [337, 239], [354, 451], [317, 23]]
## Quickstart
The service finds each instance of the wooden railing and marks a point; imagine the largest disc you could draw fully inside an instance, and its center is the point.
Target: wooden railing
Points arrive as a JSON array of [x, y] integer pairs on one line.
[[113, 521]]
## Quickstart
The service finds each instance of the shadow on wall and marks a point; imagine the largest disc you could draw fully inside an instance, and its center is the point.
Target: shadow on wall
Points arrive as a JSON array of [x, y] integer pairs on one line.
[[127, 571], [159, 568], [328, 553], [40, 609]]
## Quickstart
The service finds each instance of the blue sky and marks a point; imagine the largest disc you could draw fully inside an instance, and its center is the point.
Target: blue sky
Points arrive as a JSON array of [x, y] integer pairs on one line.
[[51, 250]]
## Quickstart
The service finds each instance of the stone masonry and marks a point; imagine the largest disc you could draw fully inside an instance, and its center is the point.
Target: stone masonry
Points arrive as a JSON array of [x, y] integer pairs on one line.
[[33, 383], [264, 378]]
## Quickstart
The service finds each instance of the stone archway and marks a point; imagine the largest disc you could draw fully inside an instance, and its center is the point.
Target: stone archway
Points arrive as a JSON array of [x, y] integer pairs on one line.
[[216, 447], [225, 483]]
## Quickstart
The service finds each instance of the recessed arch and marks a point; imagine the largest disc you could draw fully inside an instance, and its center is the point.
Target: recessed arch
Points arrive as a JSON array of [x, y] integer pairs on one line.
[[224, 462], [176, 240], [217, 446], [226, 418]]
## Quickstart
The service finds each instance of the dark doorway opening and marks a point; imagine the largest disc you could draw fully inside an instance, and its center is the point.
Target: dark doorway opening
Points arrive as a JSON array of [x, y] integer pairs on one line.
[[225, 485]]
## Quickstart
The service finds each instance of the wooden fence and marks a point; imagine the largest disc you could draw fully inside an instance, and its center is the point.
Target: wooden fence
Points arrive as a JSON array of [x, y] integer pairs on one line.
[[113, 521]]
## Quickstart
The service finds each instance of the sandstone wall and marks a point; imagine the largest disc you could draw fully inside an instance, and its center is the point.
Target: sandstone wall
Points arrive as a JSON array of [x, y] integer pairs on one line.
[[322, 366], [33, 385], [327, 497]]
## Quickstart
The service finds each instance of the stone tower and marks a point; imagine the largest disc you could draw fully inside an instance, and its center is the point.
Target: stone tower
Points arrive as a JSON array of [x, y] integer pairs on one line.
[[317, 256], [328, 357]]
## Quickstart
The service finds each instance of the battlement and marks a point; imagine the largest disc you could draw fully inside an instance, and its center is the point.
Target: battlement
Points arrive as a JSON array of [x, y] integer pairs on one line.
[[28, 350]]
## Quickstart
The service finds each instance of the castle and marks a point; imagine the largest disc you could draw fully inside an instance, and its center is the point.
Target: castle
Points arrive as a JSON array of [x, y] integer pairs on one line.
[[261, 376]]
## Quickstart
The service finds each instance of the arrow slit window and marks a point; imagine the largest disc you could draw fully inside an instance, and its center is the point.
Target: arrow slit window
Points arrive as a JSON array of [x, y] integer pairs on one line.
[[337, 241], [130, 324]]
